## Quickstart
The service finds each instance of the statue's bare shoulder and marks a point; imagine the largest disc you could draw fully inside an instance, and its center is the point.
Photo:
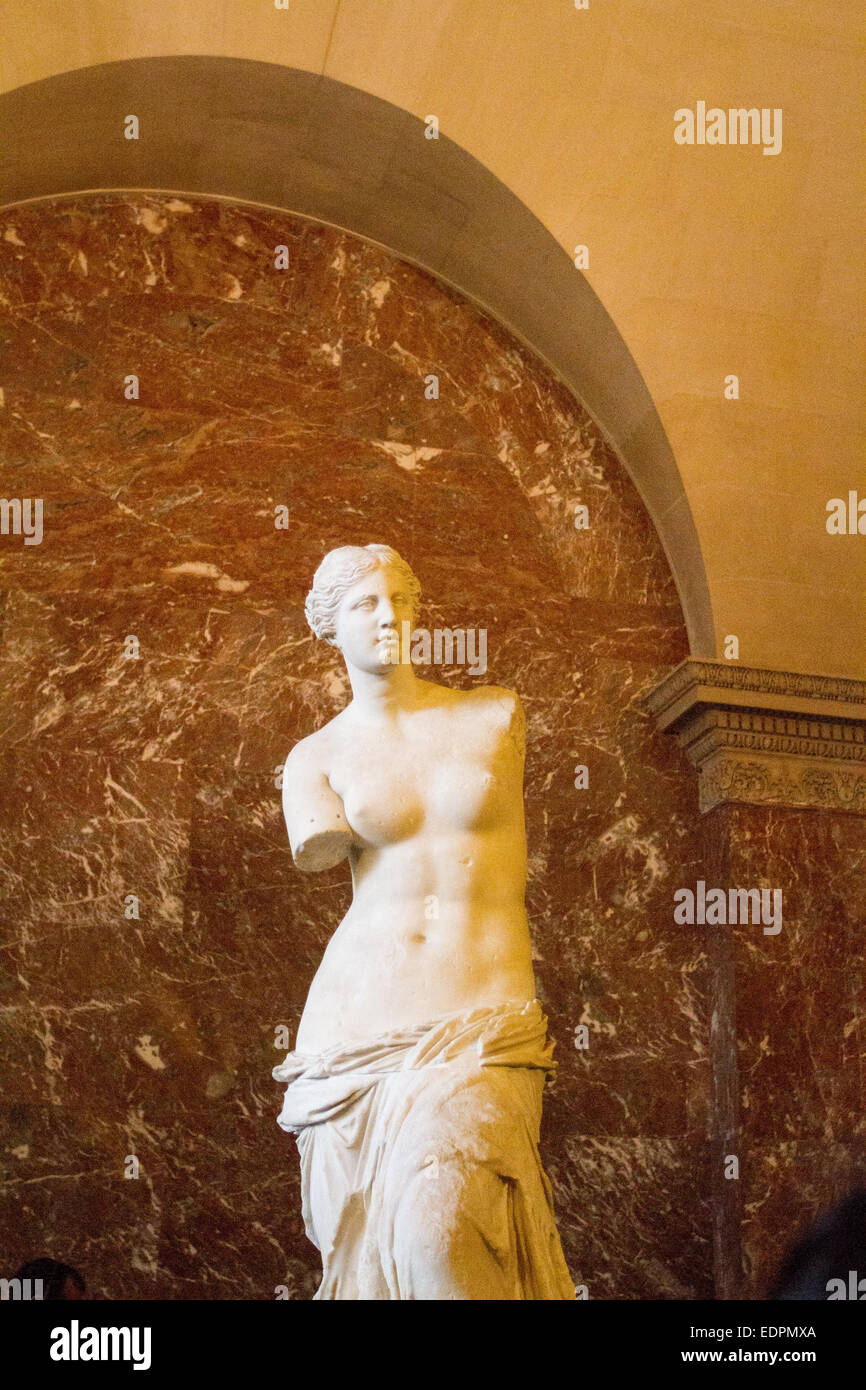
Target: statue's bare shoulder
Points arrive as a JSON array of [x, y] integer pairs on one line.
[[315, 750], [491, 709], [509, 711], [501, 711]]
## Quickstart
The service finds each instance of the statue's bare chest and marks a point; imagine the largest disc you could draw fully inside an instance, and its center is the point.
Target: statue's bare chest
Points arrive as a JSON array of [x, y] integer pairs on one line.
[[437, 775]]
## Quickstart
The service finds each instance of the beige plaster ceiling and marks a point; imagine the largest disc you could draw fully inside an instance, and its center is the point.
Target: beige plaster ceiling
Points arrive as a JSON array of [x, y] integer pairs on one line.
[[710, 260]]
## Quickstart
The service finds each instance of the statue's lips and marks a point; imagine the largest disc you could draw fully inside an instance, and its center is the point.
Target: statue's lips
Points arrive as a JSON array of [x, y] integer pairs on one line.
[[388, 647]]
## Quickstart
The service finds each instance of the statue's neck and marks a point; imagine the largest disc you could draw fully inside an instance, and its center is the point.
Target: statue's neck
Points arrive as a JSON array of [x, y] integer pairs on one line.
[[378, 696]]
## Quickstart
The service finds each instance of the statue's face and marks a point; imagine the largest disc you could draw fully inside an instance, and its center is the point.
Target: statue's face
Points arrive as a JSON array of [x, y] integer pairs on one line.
[[370, 618]]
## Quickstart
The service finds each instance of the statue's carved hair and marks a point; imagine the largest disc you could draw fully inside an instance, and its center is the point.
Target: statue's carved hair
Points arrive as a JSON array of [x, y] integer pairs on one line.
[[340, 569]]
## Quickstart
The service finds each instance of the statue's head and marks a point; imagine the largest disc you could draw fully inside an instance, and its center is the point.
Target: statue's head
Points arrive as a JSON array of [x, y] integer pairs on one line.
[[341, 571]]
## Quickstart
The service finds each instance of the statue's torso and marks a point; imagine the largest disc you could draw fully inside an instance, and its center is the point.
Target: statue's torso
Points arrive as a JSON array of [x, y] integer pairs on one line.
[[437, 923]]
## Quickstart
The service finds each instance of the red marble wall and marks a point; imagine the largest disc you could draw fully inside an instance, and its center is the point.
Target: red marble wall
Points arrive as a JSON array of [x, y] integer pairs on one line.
[[156, 776], [794, 1006]]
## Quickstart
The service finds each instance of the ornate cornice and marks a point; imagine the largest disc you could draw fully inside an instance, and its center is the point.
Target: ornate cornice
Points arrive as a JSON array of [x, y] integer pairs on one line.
[[783, 738]]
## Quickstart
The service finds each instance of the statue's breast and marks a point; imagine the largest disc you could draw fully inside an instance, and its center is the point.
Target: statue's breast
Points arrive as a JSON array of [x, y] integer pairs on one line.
[[463, 794], [383, 806], [391, 804]]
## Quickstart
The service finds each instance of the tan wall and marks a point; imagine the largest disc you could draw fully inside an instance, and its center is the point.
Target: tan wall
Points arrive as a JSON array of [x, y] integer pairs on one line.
[[710, 260]]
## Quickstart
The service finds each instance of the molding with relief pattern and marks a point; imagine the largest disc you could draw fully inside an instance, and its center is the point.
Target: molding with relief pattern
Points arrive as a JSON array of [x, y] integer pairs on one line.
[[769, 738]]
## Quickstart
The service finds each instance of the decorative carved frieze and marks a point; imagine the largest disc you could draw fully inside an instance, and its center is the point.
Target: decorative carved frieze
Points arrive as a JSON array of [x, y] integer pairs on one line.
[[783, 738]]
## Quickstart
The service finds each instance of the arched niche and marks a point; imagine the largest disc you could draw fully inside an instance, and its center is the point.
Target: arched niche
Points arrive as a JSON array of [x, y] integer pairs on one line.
[[294, 140]]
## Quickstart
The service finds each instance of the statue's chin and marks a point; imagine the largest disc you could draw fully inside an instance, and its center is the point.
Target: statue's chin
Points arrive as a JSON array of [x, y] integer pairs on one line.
[[389, 654]]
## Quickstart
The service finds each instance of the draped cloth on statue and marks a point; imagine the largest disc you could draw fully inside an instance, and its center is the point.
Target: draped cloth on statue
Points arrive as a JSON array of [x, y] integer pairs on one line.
[[420, 1171]]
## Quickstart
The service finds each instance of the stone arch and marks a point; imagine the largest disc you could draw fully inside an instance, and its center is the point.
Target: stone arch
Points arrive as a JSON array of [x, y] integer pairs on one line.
[[305, 143]]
